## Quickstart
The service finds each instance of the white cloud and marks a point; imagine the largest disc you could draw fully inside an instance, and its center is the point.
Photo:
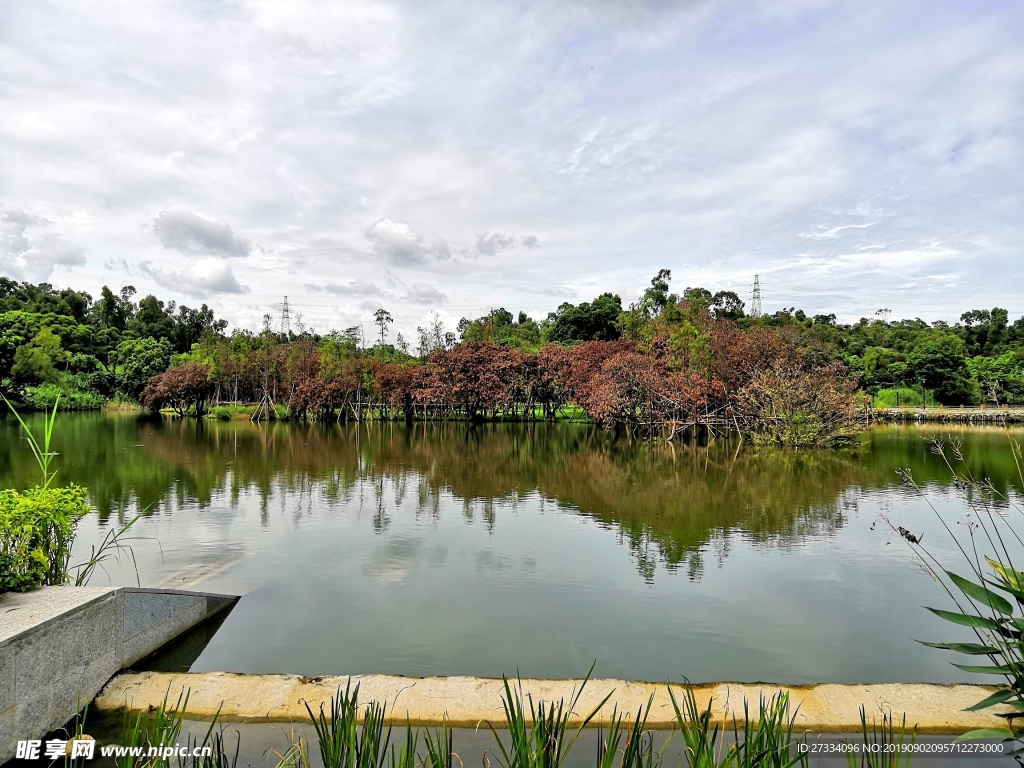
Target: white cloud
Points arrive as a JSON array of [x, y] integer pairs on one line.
[[718, 139], [189, 232], [358, 287], [492, 244], [33, 258], [396, 241], [403, 246], [421, 293], [205, 277]]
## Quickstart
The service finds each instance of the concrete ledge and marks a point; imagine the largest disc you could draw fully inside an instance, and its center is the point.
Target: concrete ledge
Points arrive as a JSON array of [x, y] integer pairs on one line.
[[469, 701], [59, 645]]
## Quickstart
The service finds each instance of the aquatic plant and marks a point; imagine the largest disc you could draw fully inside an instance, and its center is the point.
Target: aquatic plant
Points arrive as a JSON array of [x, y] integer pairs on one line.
[[113, 544], [405, 756], [987, 544], [439, 745], [639, 751], [43, 455], [159, 728], [296, 756], [538, 732], [768, 741], [765, 741], [38, 526], [702, 747], [884, 744], [76, 732], [343, 741], [608, 744]]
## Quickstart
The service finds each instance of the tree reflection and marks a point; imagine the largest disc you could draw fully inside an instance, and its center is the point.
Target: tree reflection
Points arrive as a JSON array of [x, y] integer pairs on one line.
[[677, 505]]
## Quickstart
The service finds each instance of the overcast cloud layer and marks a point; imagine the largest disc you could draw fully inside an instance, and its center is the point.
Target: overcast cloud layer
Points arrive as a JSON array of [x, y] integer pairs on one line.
[[460, 156]]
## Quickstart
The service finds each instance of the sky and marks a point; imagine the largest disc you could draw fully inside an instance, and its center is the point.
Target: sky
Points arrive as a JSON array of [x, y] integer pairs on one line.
[[457, 156]]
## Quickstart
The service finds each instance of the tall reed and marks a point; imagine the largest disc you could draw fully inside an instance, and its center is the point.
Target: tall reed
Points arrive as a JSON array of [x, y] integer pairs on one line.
[[765, 740], [884, 744], [44, 456], [343, 741], [159, 728], [539, 734], [440, 747], [702, 748]]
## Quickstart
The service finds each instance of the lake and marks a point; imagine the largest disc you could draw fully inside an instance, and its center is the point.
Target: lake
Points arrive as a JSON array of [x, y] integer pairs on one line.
[[449, 549]]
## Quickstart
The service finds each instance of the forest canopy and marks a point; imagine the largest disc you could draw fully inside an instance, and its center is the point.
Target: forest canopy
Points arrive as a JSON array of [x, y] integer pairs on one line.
[[663, 358]]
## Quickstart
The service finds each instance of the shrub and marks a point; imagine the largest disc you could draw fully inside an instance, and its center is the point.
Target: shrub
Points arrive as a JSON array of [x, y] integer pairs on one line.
[[45, 396], [37, 528]]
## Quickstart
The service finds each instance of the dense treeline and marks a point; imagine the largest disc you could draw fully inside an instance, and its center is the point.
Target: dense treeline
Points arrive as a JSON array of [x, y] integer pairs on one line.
[[661, 365]]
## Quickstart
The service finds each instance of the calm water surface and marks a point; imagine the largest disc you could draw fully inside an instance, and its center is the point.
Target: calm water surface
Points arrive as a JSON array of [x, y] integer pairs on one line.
[[539, 548]]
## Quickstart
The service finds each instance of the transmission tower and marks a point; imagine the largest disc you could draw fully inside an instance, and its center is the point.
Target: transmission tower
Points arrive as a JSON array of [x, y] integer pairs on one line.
[[286, 321], [755, 301]]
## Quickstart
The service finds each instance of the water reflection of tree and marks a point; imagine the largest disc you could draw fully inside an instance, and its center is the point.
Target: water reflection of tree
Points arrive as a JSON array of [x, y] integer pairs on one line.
[[676, 505]]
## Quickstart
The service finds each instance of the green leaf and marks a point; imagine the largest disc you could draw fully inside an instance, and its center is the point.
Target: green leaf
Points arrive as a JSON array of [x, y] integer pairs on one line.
[[982, 594], [973, 649], [990, 701], [1010, 576], [1017, 592], [1003, 669], [965, 619], [986, 733]]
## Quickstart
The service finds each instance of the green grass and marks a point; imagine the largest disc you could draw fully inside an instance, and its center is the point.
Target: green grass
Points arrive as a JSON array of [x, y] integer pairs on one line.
[[119, 404], [902, 397], [229, 412]]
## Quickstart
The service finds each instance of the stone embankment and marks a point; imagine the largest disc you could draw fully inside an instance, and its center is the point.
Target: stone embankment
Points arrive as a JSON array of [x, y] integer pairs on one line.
[[978, 416], [468, 702]]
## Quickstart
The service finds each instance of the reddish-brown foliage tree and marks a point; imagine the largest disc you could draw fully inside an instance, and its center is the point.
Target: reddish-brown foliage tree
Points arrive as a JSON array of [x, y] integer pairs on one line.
[[645, 394], [396, 385], [793, 396], [473, 378], [179, 388]]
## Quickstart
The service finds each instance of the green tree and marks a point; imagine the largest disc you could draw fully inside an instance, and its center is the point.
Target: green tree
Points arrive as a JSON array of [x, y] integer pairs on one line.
[[153, 320], [653, 302], [113, 311], [190, 325], [940, 364], [984, 331], [135, 361], [382, 318], [994, 374], [727, 305], [698, 297], [38, 361], [594, 321]]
